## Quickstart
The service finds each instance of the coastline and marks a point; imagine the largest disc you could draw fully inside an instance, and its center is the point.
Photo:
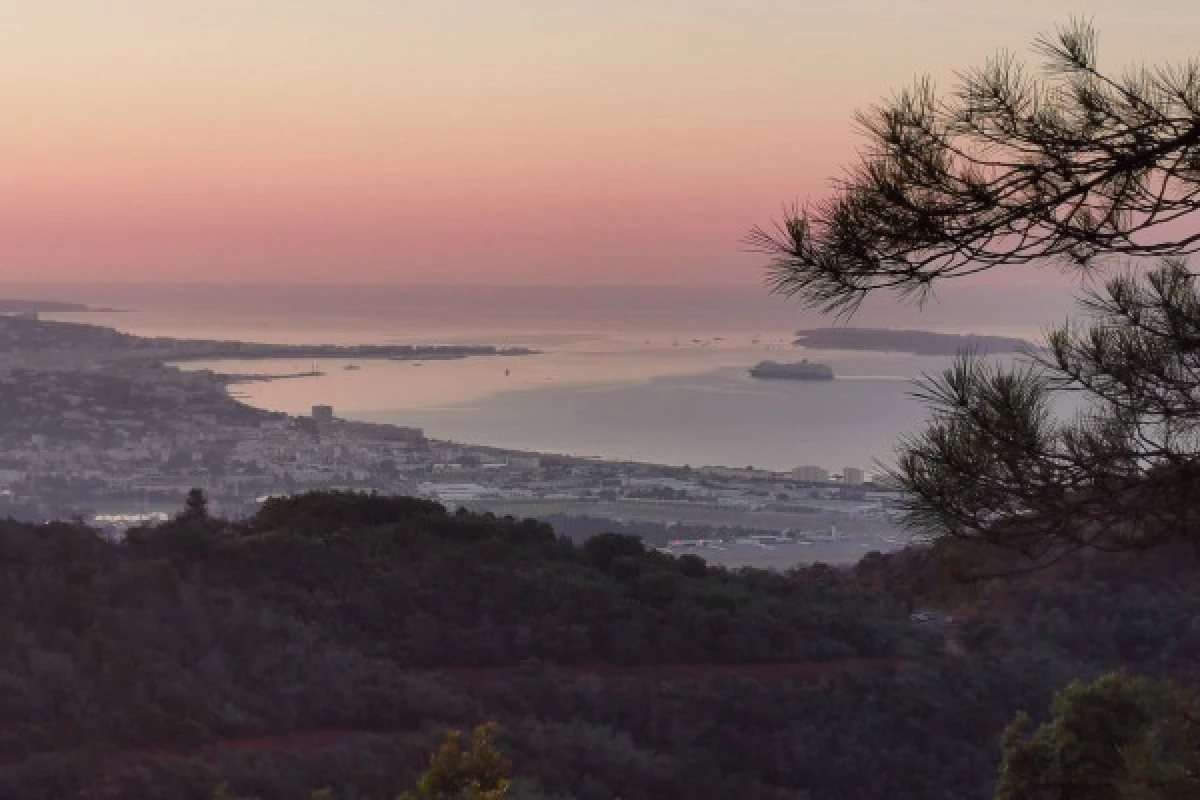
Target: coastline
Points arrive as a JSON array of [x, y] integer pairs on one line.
[[101, 425]]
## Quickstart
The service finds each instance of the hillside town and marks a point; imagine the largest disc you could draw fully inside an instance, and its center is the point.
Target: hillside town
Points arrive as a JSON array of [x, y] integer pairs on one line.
[[98, 425]]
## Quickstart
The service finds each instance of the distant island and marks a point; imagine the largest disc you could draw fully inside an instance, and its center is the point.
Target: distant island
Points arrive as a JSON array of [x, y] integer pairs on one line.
[[919, 343], [798, 371]]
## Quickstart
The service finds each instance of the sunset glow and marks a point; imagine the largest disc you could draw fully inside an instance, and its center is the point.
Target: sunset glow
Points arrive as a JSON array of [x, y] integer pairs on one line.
[[449, 141]]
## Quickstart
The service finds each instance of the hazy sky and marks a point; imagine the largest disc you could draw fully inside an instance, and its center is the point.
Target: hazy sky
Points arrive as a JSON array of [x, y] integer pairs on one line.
[[606, 141]]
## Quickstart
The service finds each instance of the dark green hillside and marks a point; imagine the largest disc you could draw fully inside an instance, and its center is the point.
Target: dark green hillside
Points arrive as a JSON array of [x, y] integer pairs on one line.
[[330, 640], [359, 614]]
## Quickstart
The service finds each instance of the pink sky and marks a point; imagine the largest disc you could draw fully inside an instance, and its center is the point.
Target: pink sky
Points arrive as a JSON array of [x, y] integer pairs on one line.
[[568, 141]]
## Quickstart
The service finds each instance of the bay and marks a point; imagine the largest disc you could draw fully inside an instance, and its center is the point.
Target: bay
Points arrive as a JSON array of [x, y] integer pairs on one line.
[[644, 373]]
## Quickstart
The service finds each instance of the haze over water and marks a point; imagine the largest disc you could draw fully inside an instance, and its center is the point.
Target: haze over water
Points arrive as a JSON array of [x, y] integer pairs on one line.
[[644, 373]]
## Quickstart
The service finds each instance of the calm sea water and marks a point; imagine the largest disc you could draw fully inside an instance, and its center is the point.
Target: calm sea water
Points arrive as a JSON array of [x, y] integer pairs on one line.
[[656, 374]]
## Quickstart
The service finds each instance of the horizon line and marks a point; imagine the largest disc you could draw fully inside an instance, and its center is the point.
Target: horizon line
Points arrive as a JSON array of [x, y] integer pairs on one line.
[[376, 284]]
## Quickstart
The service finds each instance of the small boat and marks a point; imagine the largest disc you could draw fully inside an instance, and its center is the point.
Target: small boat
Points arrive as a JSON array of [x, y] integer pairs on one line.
[[351, 367]]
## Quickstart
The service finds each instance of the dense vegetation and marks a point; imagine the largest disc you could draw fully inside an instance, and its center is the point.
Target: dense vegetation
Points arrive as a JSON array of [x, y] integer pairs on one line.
[[329, 641], [1118, 738], [1100, 172]]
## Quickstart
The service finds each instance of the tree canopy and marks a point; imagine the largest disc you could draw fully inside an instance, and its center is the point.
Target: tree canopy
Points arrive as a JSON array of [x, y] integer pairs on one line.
[[478, 772], [1072, 166], [1119, 738], [1076, 168], [322, 648]]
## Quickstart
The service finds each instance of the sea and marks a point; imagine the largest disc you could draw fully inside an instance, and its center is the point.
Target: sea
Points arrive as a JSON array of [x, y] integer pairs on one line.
[[643, 373]]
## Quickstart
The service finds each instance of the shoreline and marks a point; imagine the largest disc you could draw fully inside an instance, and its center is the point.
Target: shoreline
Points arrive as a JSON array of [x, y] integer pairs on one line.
[[100, 424], [611, 420], [234, 378]]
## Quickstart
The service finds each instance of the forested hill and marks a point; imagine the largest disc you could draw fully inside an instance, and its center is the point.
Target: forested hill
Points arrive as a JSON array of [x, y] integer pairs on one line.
[[342, 612], [329, 641]]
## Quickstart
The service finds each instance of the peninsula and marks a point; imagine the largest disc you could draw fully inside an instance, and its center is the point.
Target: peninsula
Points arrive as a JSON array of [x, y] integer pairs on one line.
[[68, 344], [10, 305], [919, 343]]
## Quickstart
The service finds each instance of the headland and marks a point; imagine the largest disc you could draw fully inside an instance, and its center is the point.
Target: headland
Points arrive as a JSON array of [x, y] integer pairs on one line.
[[920, 343]]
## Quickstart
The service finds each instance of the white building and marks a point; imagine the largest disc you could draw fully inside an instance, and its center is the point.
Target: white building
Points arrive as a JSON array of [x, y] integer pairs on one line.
[[811, 474], [852, 476]]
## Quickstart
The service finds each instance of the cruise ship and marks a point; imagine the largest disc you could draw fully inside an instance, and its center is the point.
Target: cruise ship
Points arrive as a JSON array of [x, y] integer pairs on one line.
[[799, 371]]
